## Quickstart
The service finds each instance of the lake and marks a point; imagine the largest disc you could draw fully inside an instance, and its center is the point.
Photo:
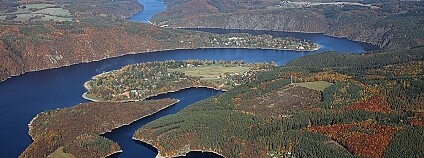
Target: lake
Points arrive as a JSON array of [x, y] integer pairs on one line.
[[151, 7], [24, 96]]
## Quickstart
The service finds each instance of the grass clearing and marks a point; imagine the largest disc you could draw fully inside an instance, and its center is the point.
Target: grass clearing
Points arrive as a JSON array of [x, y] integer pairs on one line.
[[24, 17], [55, 18], [58, 153], [38, 6], [318, 85], [54, 12], [211, 71]]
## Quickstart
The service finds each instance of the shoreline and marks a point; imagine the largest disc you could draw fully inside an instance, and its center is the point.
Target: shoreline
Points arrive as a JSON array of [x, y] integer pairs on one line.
[[185, 154], [119, 126], [167, 106], [153, 95], [151, 51], [277, 30]]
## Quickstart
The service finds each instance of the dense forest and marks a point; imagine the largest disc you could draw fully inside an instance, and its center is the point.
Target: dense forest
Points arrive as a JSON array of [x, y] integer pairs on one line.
[[372, 109], [76, 129]]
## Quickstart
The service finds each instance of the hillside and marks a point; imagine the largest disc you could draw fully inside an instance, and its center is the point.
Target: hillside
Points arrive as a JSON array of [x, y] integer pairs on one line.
[[39, 35], [76, 129], [43, 45], [388, 24], [374, 100]]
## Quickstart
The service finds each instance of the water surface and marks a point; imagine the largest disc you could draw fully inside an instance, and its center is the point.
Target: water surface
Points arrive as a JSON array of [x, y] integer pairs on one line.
[[151, 7], [23, 97]]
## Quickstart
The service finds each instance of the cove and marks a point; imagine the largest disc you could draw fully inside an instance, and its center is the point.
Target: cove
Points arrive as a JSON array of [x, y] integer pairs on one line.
[[151, 7], [24, 96]]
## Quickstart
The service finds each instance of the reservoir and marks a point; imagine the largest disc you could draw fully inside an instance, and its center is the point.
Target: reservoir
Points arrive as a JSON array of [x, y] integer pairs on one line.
[[24, 96]]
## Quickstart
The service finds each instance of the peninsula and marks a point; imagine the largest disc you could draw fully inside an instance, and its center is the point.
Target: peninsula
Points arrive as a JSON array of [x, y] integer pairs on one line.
[[66, 32], [144, 80], [75, 131]]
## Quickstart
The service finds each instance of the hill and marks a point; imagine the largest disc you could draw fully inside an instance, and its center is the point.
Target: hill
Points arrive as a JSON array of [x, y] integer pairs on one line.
[[388, 24], [375, 99], [39, 35]]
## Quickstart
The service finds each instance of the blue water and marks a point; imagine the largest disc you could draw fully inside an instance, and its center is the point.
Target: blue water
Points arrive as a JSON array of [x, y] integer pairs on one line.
[[151, 7], [23, 97]]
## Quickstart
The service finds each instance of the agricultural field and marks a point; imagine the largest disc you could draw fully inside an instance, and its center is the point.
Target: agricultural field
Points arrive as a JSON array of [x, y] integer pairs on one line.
[[212, 71], [318, 85], [55, 12], [58, 153], [37, 12]]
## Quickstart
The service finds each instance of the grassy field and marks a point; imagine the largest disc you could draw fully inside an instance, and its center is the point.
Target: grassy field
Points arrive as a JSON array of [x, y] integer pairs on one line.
[[55, 18], [39, 6], [24, 17], [54, 12], [45, 12], [58, 153], [318, 85], [211, 71], [29, 7]]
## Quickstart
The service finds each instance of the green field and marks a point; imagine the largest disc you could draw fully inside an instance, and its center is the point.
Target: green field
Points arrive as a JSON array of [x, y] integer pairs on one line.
[[39, 6], [29, 7], [55, 18], [54, 12], [318, 85], [58, 153], [39, 12], [211, 71]]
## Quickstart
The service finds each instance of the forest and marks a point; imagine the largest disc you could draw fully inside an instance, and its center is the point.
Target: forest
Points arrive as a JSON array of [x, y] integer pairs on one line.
[[77, 129], [358, 115], [388, 24], [67, 32]]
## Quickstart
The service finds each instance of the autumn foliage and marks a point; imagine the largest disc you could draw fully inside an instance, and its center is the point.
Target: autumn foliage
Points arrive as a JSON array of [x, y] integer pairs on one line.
[[365, 139], [77, 128], [374, 104]]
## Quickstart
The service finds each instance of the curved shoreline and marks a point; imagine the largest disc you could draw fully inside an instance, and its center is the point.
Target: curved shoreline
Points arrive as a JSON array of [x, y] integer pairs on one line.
[[119, 126], [153, 95], [185, 154], [149, 51], [167, 106], [277, 30]]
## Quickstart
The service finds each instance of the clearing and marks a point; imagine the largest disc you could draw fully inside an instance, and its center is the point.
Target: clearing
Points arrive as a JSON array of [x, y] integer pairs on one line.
[[214, 71], [317, 85]]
